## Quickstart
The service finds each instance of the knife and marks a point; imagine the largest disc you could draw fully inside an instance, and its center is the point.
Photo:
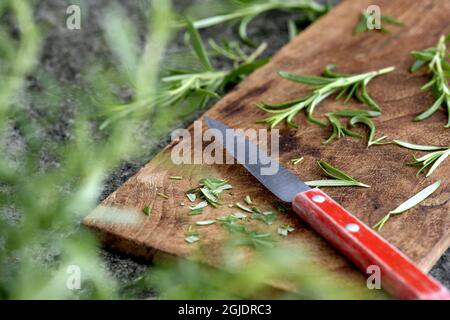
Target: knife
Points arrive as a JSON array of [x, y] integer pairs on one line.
[[359, 243]]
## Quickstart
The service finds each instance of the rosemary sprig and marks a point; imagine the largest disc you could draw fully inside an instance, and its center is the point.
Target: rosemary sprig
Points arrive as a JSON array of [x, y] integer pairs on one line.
[[362, 25], [247, 10], [433, 159], [192, 235], [328, 84], [436, 59], [408, 204], [340, 178], [194, 87]]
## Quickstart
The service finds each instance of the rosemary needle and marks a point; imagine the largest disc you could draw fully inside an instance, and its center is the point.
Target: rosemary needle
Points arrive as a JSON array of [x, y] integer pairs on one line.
[[297, 160], [408, 204]]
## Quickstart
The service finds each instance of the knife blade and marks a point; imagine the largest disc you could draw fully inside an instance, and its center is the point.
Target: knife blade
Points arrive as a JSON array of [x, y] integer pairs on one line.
[[359, 243]]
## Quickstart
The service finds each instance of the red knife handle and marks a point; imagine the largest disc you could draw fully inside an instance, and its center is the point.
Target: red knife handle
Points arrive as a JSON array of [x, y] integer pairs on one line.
[[361, 245]]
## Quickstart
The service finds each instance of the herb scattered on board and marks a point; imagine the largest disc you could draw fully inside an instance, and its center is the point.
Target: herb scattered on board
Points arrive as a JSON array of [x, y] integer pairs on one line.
[[248, 200], [285, 229], [245, 236], [242, 207], [324, 86], [245, 11], [147, 210], [297, 160], [362, 26], [268, 217], [209, 191], [340, 178], [436, 59], [192, 235], [205, 222], [163, 195], [433, 159], [175, 178], [281, 207], [411, 202]]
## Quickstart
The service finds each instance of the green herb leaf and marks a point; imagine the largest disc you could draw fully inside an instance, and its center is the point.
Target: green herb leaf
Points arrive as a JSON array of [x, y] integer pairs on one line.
[[433, 159], [200, 205], [408, 204], [297, 160], [369, 123], [436, 60], [175, 178], [147, 210], [243, 208], [196, 212], [163, 195], [191, 196], [197, 45], [205, 222], [285, 229], [268, 217], [330, 83], [342, 178]]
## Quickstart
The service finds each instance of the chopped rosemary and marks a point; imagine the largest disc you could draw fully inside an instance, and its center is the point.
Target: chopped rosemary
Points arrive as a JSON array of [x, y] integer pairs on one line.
[[436, 59], [239, 215], [341, 179], [163, 195], [191, 196], [209, 190], [281, 207], [248, 200], [147, 210], [196, 212], [191, 235], [285, 229], [200, 205], [363, 22], [408, 204], [243, 208], [268, 217], [328, 84], [192, 87], [297, 160], [205, 222], [175, 178], [433, 159]]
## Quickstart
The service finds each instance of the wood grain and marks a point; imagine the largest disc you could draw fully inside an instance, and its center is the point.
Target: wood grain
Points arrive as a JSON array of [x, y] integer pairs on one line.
[[422, 233]]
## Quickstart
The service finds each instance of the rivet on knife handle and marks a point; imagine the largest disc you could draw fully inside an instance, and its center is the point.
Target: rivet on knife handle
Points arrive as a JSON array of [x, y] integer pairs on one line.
[[364, 247]]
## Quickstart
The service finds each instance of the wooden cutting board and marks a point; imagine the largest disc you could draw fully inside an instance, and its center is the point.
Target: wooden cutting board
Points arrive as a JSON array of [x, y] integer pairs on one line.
[[422, 233]]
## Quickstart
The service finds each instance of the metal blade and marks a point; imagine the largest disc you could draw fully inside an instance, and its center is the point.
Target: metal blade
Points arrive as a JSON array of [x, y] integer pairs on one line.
[[283, 183]]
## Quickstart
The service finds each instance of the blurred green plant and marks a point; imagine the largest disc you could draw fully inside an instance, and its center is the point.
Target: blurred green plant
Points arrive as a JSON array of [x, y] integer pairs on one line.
[[48, 201], [183, 88], [42, 202], [271, 273]]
